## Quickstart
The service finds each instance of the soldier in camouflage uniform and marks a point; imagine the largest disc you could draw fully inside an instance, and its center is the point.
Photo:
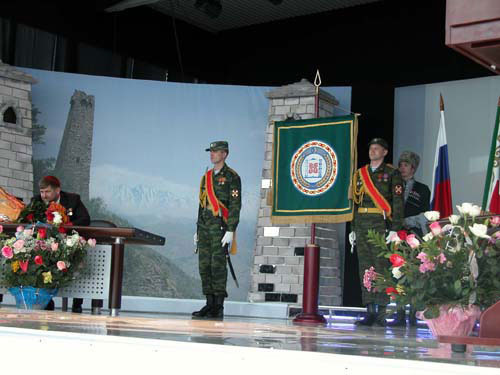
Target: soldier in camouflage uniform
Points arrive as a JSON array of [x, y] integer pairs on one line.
[[218, 217], [379, 206]]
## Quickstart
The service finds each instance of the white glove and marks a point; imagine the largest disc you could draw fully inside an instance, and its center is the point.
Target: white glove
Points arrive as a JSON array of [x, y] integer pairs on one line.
[[228, 237], [195, 239], [352, 238], [388, 238]]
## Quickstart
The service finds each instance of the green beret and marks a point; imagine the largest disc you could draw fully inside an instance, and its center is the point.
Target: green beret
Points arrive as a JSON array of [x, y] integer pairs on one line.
[[218, 145], [379, 141]]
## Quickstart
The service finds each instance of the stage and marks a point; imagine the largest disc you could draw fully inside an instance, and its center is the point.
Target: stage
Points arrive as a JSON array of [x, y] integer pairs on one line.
[[142, 342]]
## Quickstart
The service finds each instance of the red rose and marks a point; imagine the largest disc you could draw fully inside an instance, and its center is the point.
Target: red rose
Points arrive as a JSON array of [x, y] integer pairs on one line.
[[30, 217], [397, 260], [50, 215], [61, 230], [42, 233], [390, 290], [39, 260], [402, 234]]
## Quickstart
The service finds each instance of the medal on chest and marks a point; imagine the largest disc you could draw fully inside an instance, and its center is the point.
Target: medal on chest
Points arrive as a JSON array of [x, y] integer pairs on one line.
[[221, 180]]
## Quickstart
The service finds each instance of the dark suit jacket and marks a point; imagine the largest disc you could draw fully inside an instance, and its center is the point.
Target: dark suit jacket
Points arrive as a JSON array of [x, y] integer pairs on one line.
[[418, 201], [74, 205]]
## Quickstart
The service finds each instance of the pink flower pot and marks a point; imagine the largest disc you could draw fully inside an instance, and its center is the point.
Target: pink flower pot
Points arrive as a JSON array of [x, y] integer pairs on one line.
[[454, 321]]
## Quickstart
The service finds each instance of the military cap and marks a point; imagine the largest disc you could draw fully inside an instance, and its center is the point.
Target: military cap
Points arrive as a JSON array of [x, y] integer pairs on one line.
[[218, 145], [379, 141], [411, 158]]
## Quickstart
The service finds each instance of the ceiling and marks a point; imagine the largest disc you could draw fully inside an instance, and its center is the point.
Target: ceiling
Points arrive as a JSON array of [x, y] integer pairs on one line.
[[236, 13]]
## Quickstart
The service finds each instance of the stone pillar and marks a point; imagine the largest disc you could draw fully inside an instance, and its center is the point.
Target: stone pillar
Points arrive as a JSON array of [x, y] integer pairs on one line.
[[278, 266], [16, 167]]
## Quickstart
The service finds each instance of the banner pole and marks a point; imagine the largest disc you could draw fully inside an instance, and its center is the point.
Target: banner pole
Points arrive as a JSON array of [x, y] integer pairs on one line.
[[311, 258]]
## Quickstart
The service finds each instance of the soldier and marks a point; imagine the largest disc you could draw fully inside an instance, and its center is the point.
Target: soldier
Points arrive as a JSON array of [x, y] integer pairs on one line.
[[218, 217], [417, 198], [378, 199]]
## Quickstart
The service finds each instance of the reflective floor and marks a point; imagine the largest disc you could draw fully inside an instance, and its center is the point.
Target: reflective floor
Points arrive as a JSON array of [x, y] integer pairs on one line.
[[338, 336]]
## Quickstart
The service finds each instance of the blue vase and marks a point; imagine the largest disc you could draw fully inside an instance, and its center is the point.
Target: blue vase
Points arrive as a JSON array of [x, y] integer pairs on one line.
[[30, 298]]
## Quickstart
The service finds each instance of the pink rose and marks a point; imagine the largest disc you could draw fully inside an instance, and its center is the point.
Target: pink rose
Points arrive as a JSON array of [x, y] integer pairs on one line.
[[54, 246], [435, 228], [20, 228], [18, 245], [495, 220], [412, 241], [441, 258], [1, 228], [7, 252], [92, 242], [61, 266]]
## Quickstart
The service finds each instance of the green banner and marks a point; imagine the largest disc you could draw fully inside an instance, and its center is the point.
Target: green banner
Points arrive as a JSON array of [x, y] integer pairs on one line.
[[313, 164]]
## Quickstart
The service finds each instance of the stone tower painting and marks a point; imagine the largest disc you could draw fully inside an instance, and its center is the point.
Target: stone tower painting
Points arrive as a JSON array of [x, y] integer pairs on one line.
[[75, 152]]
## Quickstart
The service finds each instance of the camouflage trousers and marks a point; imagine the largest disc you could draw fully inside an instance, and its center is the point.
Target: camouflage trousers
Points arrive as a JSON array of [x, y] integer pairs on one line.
[[367, 255], [212, 259]]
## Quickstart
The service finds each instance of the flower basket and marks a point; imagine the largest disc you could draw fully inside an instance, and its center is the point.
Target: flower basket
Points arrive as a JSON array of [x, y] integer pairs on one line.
[[454, 270], [452, 321], [30, 298], [41, 257]]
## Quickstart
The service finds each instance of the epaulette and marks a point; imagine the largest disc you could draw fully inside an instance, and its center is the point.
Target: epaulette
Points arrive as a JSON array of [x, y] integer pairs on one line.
[[390, 166], [232, 171]]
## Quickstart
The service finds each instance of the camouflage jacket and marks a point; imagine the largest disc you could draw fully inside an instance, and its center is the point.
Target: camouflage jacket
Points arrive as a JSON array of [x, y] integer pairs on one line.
[[389, 183], [227, 188]]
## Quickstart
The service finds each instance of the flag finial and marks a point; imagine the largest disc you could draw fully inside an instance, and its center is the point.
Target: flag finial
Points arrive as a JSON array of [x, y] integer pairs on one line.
[[441, 103]]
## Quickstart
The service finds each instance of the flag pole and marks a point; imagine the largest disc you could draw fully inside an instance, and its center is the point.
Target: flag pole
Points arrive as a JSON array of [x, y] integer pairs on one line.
[[311, 258]]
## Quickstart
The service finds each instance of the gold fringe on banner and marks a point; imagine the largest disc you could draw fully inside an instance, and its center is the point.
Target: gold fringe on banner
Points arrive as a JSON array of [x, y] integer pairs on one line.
[[316, 219]]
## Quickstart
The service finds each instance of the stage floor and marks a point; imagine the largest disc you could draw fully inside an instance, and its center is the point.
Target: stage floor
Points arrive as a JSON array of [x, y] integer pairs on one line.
[[337, 337]]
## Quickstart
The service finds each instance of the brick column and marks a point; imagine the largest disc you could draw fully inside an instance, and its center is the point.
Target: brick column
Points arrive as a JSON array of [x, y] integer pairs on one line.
[[16, 167], [278, 266]]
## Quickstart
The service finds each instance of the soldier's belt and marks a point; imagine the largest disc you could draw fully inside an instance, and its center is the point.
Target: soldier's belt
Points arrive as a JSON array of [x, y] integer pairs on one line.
[[370, 210]]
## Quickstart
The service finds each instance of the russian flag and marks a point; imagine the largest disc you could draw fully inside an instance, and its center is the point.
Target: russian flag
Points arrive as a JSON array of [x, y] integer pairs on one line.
[[441, 184]]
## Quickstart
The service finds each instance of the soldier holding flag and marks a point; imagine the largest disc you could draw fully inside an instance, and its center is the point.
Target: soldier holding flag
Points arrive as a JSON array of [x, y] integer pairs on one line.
[[378, 198], [218, 217]]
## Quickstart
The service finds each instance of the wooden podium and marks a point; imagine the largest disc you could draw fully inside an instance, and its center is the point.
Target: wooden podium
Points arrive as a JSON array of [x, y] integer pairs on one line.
[[117, 238]]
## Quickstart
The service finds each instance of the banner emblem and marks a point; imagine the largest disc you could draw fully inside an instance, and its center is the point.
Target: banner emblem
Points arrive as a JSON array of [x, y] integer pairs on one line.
[[313, 168]]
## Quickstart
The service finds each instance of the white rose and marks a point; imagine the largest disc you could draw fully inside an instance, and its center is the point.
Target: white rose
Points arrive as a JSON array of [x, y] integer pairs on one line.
[[479, 230], [396, 272], [465, 208], [57, 218], [429, 236], [70, 242], [454, 219], [475, 211], [431, 215]]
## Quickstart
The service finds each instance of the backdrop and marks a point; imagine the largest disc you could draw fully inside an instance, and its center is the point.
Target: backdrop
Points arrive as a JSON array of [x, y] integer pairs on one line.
[[147, 159]]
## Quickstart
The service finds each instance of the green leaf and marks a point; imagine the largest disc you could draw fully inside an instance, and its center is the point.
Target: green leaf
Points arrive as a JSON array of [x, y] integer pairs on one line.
[[457, 285], [431, 312]]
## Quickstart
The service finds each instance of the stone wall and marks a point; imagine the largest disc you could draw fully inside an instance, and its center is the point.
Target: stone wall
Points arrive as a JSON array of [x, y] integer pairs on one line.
[[278, 266], [16, 167]]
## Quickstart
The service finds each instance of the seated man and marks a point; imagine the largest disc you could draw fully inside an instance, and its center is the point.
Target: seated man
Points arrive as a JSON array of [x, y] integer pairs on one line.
[[50, 191]]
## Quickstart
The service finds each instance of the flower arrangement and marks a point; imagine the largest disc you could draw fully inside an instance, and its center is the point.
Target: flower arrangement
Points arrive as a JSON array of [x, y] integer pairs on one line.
[[43, 255], [38, 211], [457, 264]]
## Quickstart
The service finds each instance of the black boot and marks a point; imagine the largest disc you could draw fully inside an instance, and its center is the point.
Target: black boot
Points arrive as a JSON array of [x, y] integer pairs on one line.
[[400, 320], [205, 309], [412, 319], [217, 310], [381, 315], [50, 306], [371, 314], [77, 305]]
